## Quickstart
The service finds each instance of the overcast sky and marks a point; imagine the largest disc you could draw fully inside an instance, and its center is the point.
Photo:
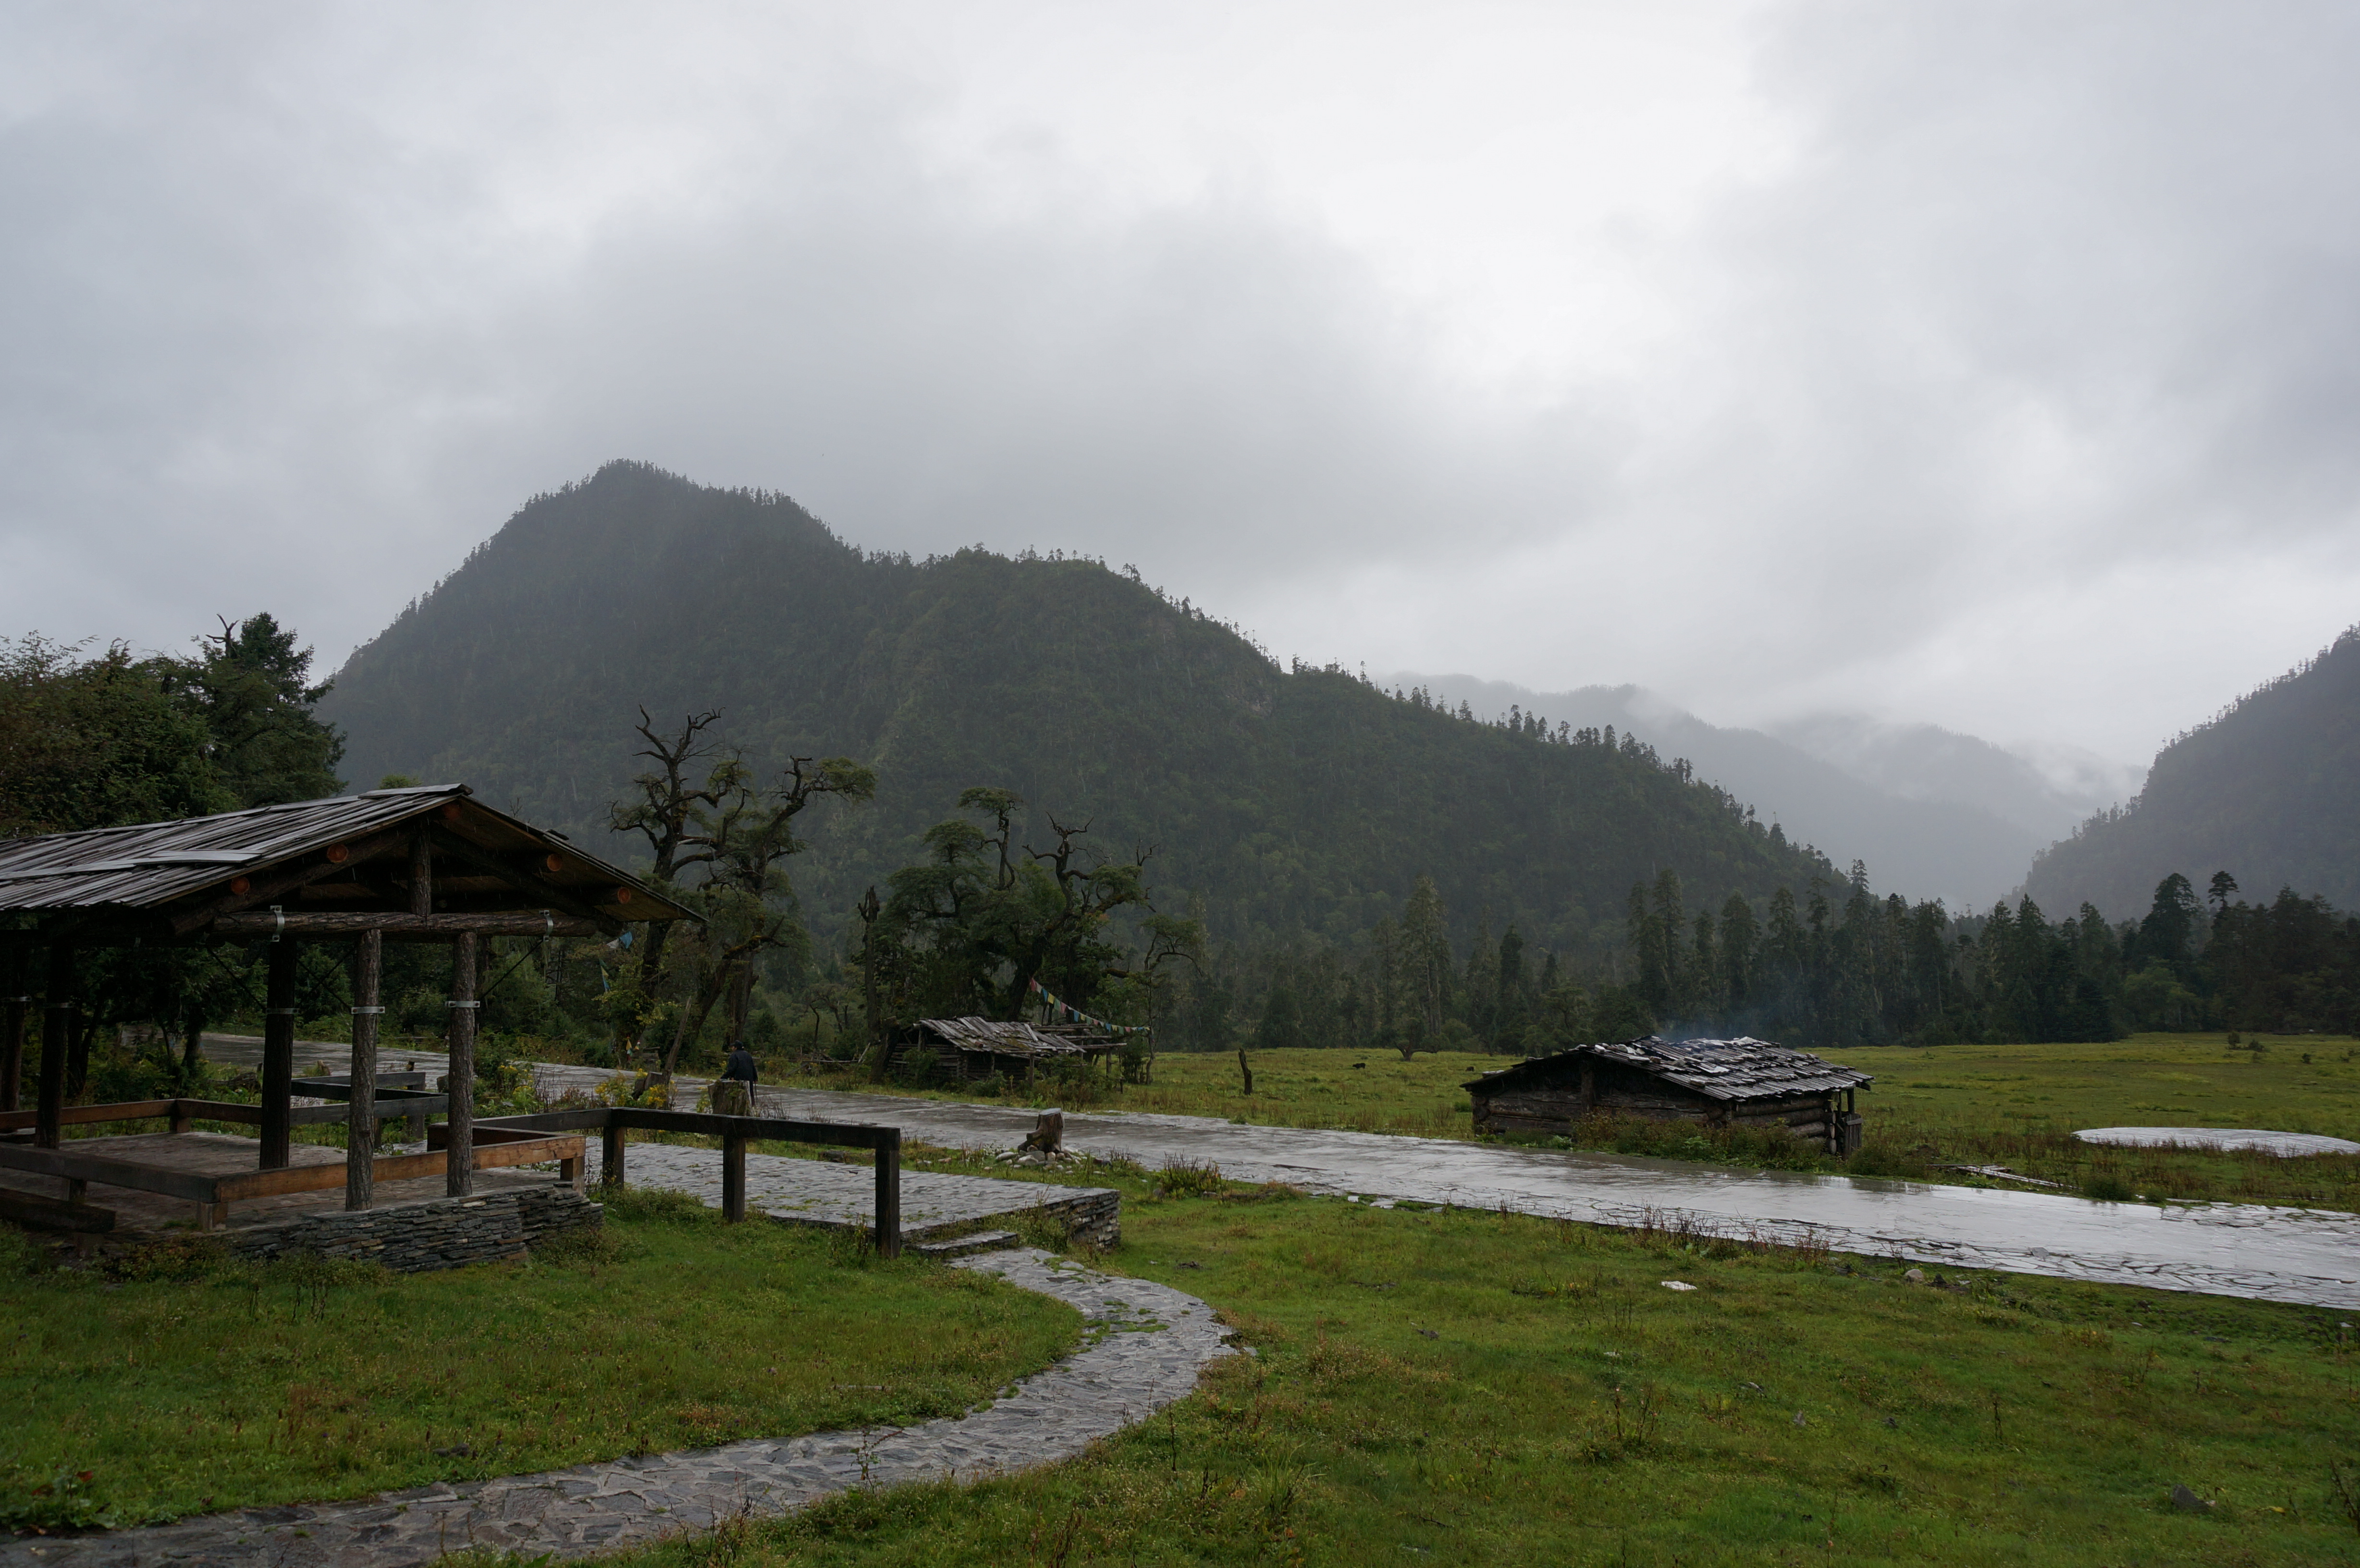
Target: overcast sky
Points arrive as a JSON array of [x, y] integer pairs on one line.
[[1991, 364]]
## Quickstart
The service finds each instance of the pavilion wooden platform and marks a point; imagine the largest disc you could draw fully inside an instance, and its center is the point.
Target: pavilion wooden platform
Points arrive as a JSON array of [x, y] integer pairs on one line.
[[149, 1180], [132, 1214]]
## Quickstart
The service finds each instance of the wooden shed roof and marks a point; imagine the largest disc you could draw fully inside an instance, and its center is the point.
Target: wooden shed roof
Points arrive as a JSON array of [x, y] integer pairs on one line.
[[1006, 1038], [1740, 1069], [345, 853]]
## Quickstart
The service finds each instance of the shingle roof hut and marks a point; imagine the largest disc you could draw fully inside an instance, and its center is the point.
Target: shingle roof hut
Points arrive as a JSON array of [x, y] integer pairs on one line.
[[1739, 1082], [978, 1048]]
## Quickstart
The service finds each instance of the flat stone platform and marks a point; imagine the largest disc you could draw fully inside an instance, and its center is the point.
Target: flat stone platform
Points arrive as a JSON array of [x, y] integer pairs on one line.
[[824, 1192]]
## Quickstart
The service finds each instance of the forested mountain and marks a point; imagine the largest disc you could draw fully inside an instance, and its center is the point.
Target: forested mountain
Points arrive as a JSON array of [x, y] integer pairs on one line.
[[1285, 800], [1966, 850], [2268, 790]]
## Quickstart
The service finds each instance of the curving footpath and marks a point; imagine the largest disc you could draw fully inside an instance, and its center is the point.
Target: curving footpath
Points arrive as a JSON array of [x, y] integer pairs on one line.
[[1144, 1347]]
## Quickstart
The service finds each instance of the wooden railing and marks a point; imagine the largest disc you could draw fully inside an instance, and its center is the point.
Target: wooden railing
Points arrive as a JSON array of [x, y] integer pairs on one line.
[[735, 1132]]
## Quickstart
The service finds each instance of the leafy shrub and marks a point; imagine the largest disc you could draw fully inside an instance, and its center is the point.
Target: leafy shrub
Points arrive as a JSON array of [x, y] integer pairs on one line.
[[990, 1086], [67, 1500], [1184, 1178], [2108, 1187]]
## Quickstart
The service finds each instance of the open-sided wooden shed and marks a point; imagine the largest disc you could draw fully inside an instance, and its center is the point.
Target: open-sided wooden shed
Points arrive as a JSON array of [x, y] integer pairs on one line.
[[430, 864], [1737, 1082], [972, 1048]]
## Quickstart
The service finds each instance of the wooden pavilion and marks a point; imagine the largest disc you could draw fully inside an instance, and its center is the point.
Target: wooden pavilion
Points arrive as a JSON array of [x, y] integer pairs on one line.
[[430, 864]]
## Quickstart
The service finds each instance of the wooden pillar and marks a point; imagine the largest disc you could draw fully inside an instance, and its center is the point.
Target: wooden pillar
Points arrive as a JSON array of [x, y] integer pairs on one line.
[[57, 1025], [278, 1053], [611, 1143], [12, 1009], [360, 1122], [459, 1177], [733, 1177], [889, 1195]]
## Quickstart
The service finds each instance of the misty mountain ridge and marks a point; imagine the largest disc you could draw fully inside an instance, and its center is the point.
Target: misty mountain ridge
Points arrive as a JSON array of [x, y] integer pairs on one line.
[[1284, 799], [2268, 790], [1933, 812]]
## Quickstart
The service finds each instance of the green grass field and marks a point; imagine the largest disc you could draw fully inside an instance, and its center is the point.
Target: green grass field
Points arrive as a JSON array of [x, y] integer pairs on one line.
[[2016, 1105], [184, 1384], [1451, 1387]]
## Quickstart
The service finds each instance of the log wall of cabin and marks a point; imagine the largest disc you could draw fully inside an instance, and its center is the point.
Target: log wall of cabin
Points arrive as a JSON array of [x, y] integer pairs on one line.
[[1592, 1087]]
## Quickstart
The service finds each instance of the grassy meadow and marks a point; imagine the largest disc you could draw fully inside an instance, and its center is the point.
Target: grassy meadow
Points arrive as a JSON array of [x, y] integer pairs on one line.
[[2013, 1105], [179, 1383], [1453, 1387]]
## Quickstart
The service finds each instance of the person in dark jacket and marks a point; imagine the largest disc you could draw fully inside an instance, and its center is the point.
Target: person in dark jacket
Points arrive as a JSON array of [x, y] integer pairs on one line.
[[734, 1096]]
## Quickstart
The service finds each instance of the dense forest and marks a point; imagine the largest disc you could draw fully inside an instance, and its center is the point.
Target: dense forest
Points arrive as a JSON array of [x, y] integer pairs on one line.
[[1280, 800], [2270, 787]]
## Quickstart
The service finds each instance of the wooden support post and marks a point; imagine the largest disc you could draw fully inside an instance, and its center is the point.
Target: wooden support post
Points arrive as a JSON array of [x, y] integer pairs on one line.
[[422, 873], [360, 1122], [180, 1119], [278, 1053], [611, 1143], [57, 1024], [889, 1195], [459, 1177], [733, 1177], [12, 1009]]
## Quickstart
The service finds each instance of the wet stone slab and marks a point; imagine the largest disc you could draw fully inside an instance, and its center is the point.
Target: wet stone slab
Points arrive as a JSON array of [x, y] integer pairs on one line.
[[1142, 1349]]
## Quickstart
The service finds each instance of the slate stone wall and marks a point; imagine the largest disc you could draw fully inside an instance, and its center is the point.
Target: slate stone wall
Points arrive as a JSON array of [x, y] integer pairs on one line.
[[448, 1233]]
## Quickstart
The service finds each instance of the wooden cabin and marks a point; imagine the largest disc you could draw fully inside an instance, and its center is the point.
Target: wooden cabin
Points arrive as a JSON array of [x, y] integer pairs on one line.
[[1725, 1083], [971, 1047]]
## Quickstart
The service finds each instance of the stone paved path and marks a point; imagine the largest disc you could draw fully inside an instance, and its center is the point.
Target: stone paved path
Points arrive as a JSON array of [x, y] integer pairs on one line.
[[1143, 1348]]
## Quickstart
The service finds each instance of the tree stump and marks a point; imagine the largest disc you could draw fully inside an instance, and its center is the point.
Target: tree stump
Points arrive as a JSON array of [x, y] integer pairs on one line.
[[1048, 1135]]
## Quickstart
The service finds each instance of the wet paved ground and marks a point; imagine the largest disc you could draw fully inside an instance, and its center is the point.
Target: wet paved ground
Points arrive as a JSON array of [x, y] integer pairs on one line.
[[2230, 1249], [1143, 1348]]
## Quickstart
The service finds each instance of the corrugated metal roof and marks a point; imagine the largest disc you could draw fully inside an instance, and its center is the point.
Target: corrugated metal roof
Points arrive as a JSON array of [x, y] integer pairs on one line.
[[1740, 1069], [1005, 1038], [151, 864]]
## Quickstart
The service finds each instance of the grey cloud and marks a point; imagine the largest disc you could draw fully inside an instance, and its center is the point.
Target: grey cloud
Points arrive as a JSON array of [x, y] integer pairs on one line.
[[2011, 403]]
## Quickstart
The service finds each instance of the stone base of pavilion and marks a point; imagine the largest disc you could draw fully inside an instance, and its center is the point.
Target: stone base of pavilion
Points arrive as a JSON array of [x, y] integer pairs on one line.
[[412, 1225]]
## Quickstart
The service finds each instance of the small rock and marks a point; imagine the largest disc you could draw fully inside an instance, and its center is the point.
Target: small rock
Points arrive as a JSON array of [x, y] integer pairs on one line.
[[1916, 1276], [1892, 1423], [1430, 1333], [1799, 1420], [2188, 1502], [1677, 1285]]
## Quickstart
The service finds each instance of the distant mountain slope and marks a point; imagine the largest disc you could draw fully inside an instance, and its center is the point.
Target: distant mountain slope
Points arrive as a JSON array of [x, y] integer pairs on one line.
[[2269, 792], [1287, 800], [1961, 852]]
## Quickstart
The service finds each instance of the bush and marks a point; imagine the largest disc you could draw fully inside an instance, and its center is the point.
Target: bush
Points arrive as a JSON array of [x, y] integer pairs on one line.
[[990, 1086], [2108, 1187], [1184, 1178]]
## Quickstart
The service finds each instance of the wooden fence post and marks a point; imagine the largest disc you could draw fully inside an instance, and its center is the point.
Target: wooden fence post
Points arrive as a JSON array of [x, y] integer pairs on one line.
[[611, 1145], [360, 1122], [56, 1023], [889, 1195], [459, 1175], [733, 1177], [277, 1052]]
